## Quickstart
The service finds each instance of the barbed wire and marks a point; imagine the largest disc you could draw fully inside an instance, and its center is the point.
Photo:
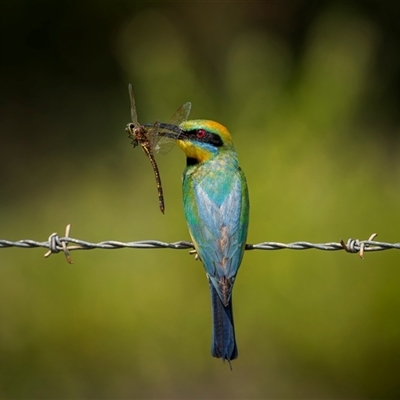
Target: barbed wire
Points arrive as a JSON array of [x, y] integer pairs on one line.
[[57, 244]]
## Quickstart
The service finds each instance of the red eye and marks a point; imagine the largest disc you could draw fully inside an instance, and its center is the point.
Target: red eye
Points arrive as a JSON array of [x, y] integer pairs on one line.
[[200, 134]]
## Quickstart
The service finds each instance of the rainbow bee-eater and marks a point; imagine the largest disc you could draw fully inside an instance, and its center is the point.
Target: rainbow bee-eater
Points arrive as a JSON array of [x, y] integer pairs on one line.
[[216, 207]]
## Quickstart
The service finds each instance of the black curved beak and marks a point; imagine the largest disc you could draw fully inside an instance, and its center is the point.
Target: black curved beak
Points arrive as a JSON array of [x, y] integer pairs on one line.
[[167, 130]]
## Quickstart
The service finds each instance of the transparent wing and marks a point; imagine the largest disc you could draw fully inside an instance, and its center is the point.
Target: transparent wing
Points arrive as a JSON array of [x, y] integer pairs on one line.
[[133, 106], [162, 144], [181, 114]]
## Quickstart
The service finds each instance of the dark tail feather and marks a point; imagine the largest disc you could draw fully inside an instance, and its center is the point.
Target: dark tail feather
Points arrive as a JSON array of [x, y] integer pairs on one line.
[[223, 339]]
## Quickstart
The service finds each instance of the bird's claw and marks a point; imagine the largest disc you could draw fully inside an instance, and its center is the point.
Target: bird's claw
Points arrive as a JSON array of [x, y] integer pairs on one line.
[[196, 257]]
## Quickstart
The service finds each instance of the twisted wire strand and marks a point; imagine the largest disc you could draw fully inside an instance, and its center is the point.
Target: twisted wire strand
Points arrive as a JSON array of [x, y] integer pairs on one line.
[[56, 244]]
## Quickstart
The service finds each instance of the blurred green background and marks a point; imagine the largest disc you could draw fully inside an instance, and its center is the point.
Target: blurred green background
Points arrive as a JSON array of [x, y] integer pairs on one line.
[[310, 92]]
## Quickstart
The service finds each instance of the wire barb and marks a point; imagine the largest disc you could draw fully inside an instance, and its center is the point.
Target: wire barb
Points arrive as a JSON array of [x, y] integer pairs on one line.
[[355, 246], [56, 244]]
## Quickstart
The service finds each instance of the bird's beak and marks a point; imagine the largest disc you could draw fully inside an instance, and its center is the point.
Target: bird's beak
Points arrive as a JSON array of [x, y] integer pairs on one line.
[[167, 130]]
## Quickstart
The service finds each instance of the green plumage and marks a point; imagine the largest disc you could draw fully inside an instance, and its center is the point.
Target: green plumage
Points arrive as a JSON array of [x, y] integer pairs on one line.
[[216, 207]]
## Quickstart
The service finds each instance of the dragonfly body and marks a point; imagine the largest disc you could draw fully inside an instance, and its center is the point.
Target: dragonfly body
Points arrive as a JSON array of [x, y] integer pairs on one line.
[[149, 139], [139, 135]]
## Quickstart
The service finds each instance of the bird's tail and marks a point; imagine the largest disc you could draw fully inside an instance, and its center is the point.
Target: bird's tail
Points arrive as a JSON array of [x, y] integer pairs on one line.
[[223, 339]]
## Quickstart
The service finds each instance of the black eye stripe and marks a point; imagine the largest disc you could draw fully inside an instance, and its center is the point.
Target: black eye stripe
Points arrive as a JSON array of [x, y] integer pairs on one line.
[[209, 137]]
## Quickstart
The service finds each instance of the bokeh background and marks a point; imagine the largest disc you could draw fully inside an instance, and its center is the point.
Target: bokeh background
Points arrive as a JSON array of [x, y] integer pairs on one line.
[[310, 92]]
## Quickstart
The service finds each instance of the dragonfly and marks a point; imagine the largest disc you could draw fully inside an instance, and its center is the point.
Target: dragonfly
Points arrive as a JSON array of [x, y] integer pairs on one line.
[[151, 139]]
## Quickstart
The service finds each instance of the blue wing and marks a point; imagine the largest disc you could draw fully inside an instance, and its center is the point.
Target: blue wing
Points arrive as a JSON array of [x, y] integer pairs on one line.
[[217, 214]]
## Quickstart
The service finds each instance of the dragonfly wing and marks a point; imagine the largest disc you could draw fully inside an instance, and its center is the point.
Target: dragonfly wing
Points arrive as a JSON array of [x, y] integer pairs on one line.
[[162, 144], [181, 114], [133, 106]]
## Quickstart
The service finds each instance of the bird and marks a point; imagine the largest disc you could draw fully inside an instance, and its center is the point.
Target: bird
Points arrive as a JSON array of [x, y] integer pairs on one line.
[[216, 208]]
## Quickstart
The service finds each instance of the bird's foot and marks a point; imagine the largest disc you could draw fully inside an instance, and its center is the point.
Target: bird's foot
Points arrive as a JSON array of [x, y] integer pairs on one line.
[[196, 256]]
